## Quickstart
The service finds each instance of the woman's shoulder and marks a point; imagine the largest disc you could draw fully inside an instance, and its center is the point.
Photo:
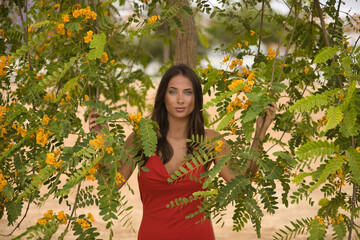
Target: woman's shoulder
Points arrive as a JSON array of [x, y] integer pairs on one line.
[[210, 133]]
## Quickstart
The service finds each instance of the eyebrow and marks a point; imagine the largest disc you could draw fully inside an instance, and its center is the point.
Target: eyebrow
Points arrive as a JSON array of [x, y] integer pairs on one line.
[[187, 89]]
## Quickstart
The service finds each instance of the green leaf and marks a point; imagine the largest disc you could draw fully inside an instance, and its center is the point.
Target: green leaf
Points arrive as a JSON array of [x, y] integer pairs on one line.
[[331, 167], [334, 116], [309, 103], [317, 230], [340, 230], [326, 54], [226, 120], [97, 45], [354, 163], [316, 149]]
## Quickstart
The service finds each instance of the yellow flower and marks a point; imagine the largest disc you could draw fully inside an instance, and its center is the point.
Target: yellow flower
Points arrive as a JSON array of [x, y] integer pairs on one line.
[[341, 96], [76, 13], [83, 223], [46, 120], [239, 45], [252, 32], [271, 53], [42, 137], [61, 217], [104, 57], [60, 29], [219, 146], [68, 97], [65, 18], [97, 143], [226, 59], [340, 219], [50, 158], [88, 37], [57, 5], [90, 217], [86, 97], [112, 62], [119, 178], [306, 70], [109, 149], [42, 221], [246, 43], [2, 33], [153, 19], [358, 149]]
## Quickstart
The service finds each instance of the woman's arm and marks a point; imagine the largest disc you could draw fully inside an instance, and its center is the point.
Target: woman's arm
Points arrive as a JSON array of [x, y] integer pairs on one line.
[[262, 125], [126, 170]]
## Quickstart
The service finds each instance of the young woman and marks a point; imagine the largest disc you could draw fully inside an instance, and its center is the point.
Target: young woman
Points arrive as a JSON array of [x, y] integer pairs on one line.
[[177, 111]]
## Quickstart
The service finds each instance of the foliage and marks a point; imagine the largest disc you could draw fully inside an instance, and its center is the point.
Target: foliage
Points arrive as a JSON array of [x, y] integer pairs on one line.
[[64, 55]]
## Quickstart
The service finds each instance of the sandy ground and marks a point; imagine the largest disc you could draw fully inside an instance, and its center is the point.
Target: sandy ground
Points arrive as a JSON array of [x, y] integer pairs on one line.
[[270, 223]]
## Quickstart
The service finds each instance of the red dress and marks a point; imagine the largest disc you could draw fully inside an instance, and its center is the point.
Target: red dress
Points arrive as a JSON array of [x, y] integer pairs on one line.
[[161, 223]]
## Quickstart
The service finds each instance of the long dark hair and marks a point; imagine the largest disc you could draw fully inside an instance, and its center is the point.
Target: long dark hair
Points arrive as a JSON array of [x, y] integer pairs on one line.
[[159, 114]]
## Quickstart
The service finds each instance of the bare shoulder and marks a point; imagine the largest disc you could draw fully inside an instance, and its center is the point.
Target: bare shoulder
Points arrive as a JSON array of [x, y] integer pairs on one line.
[[210, 133]]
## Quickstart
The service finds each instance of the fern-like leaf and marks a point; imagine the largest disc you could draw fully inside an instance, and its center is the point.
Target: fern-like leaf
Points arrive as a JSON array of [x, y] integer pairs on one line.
[[354, 163], [310, 103], [148, 137], [331, 167], [316, 149], [229, 192], [317, 230], [226, 120], [300, 226], [334, 116], [340, 230], [97, 46], [326, 54]]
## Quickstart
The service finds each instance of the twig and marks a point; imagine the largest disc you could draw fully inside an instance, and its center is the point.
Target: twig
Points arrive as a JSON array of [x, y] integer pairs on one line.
[[75, 203], [22, 219], [261, 24], [326, 38]]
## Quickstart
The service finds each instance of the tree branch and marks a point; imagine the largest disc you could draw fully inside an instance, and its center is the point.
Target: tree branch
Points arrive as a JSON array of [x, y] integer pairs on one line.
[[261, 24]]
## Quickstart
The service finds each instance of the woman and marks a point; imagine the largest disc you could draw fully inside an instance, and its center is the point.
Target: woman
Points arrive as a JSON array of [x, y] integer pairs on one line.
[[177, 111]]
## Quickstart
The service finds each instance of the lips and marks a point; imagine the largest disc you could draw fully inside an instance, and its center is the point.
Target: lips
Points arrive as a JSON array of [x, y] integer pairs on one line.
[[180, 109]]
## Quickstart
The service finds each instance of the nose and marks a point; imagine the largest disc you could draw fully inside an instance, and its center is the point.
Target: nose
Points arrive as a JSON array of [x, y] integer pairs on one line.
[[180, 98]]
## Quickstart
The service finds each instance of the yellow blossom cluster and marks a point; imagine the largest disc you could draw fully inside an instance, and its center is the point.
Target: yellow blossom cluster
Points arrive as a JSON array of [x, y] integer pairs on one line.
[[104, 57], [358, 149], [119, 178], [90, 217], [271, 54], [341, 97], [338, 220], [42, 137], [226, 58], [65, 17], [89, 36], [337, 178], [48, 97], [20, 131], [109, 150], [46, 120], [60, 29], [153, 19], [3, 110], [252, 32], [46, 217], [66, 100], [51, 160], [306, 70], [61, 217], [321, 219], [97, 143], [246, 43], [91, 172], [84, 12], [3, 131], [239, 45], [233, 126], [3, 181], [4, 65], [235, 83], [237, 103], [84, 223], [235, 62], [135, 119], [219, 145], [322, 121]]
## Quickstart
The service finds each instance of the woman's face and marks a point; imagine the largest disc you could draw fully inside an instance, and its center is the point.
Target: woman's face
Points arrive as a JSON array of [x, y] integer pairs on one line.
[[179, 97]]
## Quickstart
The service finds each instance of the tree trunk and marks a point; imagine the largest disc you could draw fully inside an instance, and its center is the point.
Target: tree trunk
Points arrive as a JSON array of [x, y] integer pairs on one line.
[[185, 42]]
